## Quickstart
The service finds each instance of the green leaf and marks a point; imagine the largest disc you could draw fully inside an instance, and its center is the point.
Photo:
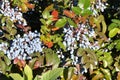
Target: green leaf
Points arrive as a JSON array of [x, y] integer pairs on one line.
[[28, 72], [13, 31], [111, 46], [48, 22], [9, 23], [1, 53], [44, 29], [37, 78], [56, 60], [86, 12], [76, 10], [71, 22], [3, 66], [113, 32], [62, 45], [52, 59], [112, 26], [15, 76], [49, 59], [43, 21], [52, 74], [118, 46], [116, 21], [61, 23], [3, 19], [106, 73], [84, 4], [45, 14], [80, 52], [70, 72], [7, 60], [105, 63], [32, 62]]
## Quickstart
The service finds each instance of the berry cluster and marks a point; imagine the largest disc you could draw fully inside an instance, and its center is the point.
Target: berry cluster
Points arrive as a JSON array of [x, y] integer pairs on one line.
[[22, 47], [13, 13], [79, 37]]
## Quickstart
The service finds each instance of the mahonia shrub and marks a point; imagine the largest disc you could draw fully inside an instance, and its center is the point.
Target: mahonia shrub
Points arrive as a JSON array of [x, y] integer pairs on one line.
[[73, 42]]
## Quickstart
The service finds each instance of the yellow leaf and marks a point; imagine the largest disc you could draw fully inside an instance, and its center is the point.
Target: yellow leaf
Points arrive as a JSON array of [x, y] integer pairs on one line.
[[24, 8], [24, 1], [49, 8]]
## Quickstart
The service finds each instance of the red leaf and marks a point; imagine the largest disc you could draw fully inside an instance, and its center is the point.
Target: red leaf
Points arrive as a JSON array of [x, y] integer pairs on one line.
[[36, 65], [23, 63], [55, 13], [20, 26], [16, 60], [20, 63]]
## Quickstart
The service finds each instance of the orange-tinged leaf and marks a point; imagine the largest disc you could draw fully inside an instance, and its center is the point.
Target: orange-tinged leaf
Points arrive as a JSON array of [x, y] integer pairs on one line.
[[30, 6], [82, 19], [49, 44], [54, 19], [118, 76], [55, 28], [69, 13], [75, 77]]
